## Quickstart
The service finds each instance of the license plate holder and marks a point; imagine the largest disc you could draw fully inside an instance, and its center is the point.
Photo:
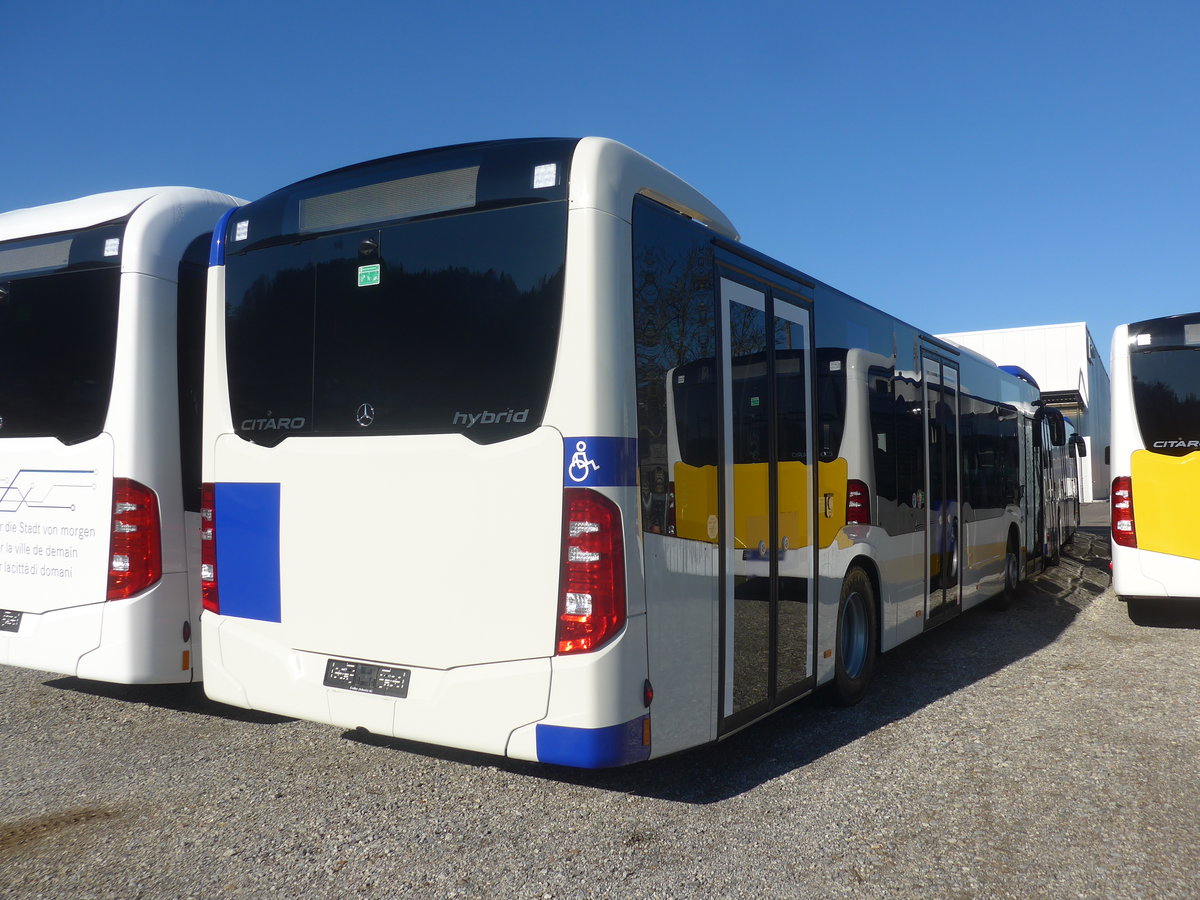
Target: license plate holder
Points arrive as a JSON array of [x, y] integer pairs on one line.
[[367, 678]]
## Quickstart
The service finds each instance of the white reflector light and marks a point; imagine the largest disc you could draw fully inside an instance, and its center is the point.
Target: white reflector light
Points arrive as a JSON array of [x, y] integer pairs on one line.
[[578, 604]]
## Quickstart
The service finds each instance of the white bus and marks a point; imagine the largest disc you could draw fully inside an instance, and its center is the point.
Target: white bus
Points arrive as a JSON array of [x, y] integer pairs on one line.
[[514, 447], [101, 322], [1155, 458]]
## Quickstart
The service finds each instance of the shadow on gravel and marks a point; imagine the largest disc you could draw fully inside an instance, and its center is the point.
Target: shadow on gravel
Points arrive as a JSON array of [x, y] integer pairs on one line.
[[187, 698], [961, 652]]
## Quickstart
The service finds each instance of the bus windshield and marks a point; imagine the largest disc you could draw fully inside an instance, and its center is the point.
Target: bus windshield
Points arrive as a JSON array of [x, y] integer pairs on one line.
[[58, 332]]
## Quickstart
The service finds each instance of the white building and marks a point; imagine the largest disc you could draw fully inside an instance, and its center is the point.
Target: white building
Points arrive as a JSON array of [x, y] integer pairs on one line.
[[1064, 362]]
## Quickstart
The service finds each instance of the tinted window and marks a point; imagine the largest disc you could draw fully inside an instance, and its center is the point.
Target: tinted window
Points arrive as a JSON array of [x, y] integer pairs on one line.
[[675, 339], [189, 337], [58, 327], [452, 328], [989, 452], [1166, 395], [831, 402], [697, 409], [898, 448], [791, 394]]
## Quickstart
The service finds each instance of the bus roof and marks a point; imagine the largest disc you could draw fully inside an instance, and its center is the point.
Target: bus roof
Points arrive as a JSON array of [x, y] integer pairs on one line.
[[96, 209]]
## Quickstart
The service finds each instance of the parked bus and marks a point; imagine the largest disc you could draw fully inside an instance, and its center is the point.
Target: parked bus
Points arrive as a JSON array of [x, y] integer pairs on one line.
[[1073, 450], [101, 321], [1155, 458], [1051, 447], [514, 447]]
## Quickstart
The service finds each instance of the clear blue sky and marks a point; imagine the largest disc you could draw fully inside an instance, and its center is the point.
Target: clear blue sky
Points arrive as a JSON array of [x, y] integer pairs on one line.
[[961, 164]]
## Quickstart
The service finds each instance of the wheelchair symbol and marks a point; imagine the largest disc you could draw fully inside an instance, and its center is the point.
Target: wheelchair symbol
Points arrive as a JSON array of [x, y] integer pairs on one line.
[[581, 464]]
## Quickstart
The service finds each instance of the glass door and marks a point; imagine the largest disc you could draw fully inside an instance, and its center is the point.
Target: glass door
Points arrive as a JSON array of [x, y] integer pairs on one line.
[[767, 497], [943, 478]]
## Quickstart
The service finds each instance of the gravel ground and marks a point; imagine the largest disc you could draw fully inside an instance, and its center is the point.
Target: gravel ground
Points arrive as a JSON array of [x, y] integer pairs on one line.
[[1049, 750]]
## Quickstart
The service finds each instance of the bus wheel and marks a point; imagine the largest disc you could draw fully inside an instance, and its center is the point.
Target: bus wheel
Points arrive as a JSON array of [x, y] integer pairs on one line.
[[1012, 576], [857, 637], [1012, 569]]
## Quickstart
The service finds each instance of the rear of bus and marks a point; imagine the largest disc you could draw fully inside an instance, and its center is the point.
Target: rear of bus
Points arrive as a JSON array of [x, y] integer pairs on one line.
[[1155, 462], [94, 557], [420, 461]]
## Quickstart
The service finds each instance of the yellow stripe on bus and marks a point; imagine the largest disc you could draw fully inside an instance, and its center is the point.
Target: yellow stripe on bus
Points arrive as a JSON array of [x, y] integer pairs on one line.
[[1166, 495]]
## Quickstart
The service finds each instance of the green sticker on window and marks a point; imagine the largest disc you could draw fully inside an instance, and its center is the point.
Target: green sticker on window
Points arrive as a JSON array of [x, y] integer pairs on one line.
[[368, 275]]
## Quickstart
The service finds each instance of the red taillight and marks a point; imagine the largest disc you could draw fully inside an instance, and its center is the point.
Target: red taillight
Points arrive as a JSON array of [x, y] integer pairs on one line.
[[1124, 533], [591, 604], [208, 548], [858, 503], [136, 548]]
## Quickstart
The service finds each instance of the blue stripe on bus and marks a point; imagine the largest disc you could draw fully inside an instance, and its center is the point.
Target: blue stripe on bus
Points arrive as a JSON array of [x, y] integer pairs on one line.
[[216, 251], [593, 748], [599, 462], [248, 550]]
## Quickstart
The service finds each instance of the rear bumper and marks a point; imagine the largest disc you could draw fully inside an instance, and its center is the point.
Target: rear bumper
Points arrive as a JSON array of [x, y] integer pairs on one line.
[[248, 664], [505, 708], [135, 641], [1145, 574]]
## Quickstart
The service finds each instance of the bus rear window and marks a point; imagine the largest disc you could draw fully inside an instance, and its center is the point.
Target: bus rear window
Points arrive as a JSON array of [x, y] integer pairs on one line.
[[1166, 396], [58, 332], [439, 325]]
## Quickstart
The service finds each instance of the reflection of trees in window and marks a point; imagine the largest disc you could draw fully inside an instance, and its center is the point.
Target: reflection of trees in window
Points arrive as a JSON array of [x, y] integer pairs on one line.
[[674, 322]]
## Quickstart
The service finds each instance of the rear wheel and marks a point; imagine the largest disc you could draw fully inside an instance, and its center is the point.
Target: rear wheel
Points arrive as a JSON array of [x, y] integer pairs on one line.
[[1012, 575], [857, 637]]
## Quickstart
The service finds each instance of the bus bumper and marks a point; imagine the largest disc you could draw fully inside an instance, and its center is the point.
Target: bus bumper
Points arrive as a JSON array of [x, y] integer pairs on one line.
[[134, 641]]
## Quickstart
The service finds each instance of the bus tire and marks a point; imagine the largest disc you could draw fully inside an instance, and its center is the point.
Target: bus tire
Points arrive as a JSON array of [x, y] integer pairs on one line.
[[1012, 575], [857, 637], [1012, 568]]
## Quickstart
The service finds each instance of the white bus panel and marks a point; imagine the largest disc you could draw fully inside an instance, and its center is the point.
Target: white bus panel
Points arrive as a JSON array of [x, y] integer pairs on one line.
[[101, 318]]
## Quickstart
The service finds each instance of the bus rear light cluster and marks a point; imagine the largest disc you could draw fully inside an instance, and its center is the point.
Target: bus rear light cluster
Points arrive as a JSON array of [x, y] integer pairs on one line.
[[1124, 532], [591, 606], [208, 548], [858, 503], [136, 545]]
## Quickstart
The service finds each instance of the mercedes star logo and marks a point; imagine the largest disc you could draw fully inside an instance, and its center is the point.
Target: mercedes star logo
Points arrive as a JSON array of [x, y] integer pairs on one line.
[[365, 414]]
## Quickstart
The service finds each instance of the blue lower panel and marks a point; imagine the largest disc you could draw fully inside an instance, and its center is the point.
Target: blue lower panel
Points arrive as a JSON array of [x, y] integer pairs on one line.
[[593, 748], [248, 550]]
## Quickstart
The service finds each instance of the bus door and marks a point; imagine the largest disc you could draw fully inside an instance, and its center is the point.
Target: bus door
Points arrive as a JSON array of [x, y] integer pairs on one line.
[[767, 514], [943, 477]]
